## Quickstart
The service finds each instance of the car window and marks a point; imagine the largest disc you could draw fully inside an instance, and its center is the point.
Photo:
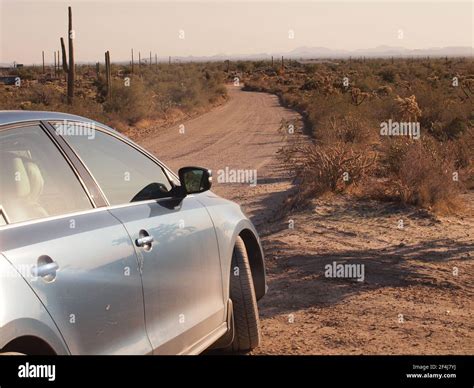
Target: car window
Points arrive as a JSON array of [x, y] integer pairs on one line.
[[123, 173], [3, 220], [35, 180]]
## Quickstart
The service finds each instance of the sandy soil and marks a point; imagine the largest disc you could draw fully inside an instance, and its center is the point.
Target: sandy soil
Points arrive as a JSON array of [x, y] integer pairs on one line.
[[417, 296]]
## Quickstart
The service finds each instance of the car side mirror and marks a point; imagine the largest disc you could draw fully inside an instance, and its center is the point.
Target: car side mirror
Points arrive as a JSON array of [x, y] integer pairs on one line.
[[195, 179]]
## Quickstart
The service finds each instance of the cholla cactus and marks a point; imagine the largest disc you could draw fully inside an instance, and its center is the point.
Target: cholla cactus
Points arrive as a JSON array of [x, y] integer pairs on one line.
[[324, 83], [358, 97], [408, 108], [467, 87]]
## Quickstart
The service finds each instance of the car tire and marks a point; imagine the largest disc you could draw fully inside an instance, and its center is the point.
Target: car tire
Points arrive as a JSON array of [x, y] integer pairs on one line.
[[247, 333]]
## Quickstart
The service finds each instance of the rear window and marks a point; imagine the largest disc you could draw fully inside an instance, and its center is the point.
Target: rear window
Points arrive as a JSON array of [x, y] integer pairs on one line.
[[35, 179]]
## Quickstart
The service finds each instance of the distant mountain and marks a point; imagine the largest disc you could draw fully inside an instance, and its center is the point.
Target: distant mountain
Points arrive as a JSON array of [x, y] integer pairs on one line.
[[306, 52], [381, 51]]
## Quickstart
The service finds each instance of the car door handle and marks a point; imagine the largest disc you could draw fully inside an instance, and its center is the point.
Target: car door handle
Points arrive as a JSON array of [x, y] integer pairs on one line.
[[144, 241], [44, 270]]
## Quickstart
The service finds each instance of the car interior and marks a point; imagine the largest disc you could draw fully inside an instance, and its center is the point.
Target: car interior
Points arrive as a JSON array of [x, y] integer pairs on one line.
[[35, 179]]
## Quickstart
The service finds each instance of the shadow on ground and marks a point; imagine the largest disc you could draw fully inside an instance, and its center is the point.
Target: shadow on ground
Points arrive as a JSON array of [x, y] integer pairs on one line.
[[297, 281]]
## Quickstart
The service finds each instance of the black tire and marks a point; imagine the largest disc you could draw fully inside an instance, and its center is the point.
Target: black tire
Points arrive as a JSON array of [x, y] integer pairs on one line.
[[247, 333]]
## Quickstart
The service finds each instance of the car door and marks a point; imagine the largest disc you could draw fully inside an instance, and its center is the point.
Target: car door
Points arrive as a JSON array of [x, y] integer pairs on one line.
[[77, 258], [174, 239]]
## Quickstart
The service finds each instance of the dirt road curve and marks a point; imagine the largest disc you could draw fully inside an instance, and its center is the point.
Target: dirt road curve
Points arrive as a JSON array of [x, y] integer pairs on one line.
[[417, 294], [242, 134]]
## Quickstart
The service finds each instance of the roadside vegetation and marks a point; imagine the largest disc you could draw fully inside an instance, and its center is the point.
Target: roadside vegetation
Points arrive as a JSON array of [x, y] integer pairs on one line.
[[160, 92], [345, 105]]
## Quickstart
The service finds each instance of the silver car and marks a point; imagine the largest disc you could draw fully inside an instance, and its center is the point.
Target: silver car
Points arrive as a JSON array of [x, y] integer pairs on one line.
[[104, 250]]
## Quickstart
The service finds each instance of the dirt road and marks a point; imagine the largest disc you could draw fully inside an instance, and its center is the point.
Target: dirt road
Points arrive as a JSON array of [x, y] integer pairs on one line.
[[241, 136], [417, 293]]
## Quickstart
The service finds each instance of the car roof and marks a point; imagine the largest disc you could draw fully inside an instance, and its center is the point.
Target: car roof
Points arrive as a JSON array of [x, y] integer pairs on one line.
[[17, 116]]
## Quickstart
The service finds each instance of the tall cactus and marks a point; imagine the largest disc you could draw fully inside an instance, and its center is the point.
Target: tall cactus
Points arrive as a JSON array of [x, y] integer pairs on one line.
[[63, 50], [108, 74], [71, 67]]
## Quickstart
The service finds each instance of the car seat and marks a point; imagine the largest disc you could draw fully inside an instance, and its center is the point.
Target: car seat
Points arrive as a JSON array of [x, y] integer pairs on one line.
[[21, 185]]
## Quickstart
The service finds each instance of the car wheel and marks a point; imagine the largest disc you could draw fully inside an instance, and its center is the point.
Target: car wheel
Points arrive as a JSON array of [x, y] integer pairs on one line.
[[242, 293]]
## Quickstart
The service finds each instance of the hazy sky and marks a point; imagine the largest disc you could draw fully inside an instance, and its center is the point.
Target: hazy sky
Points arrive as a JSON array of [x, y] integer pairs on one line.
[[223, 27]]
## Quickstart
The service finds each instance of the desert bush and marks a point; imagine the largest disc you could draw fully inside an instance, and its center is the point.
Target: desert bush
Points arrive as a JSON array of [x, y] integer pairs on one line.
[[424, 178], [152, 93], [43, 95], [415, 172], [320, 169], [132, 103], [348, 128], [388, 74]]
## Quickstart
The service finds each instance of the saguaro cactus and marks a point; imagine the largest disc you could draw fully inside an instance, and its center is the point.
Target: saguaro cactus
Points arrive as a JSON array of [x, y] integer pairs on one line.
[[108, 74], [63, 50], [71, 74], [132, 62]]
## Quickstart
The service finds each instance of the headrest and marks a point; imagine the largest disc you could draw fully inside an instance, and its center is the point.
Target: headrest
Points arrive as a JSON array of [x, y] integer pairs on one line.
[[35, 177], [14, 180]]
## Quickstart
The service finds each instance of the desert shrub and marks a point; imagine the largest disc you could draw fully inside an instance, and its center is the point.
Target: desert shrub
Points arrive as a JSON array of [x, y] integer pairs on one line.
[[453, 129], [393, 152], [131, 103], [424, 179], [320, 169], [310, 84], [44, 95], [461, 151], [388, 74], [348, 128]]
